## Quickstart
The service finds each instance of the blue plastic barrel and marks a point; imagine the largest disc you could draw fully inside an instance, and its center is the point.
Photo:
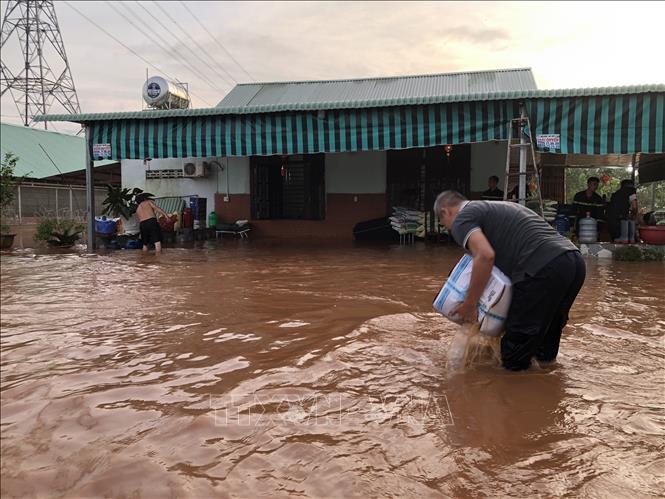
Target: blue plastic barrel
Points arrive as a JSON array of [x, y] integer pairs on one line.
[[562, 224]]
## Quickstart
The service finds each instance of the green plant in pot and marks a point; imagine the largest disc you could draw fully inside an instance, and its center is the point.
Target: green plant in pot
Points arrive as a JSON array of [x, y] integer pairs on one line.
[[59, 233], [121, 203], [7, 185]]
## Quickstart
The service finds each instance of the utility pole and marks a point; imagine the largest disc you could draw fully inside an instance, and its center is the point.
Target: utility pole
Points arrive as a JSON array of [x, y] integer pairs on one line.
[[43, 77]]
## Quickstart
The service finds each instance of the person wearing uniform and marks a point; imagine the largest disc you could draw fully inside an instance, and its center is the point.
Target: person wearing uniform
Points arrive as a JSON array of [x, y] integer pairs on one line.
[[493, 193], [622, 206], [587, 201], [546, 270]]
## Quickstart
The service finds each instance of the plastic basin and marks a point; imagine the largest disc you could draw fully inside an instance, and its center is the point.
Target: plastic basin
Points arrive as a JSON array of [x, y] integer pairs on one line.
[[105, 225], [653, 234]]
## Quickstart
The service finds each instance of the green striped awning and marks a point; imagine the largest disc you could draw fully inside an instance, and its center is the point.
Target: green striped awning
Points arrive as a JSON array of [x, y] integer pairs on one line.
[[610, 124], [613, 124]]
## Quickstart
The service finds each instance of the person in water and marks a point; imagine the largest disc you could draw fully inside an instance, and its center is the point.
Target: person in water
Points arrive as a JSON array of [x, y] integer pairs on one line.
[[546, 270], [151, 232]]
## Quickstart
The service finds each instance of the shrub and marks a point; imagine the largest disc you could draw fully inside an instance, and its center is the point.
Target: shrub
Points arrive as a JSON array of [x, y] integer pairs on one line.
[[653, 254], [59, 232], [637, 254], [628, 254]]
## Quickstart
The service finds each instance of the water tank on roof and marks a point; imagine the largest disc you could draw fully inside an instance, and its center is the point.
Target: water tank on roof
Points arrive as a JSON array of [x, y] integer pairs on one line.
[[160, 93]]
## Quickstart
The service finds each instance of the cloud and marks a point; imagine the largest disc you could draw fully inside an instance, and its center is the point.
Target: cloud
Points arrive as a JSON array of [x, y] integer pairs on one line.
[[329, 40], [476, 35]]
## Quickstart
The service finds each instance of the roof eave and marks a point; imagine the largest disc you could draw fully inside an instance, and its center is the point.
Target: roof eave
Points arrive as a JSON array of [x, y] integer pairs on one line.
[[273, 108]]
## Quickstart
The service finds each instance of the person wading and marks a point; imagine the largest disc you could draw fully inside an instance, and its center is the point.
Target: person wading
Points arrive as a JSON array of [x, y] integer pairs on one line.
[[546, 269], [151, 232]]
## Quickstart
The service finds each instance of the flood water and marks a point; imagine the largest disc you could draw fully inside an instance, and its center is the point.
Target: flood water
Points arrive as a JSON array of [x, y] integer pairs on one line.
[[249, 369]]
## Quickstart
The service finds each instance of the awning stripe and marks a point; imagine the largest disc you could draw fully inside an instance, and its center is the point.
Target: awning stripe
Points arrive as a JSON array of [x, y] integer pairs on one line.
[[590, 125]]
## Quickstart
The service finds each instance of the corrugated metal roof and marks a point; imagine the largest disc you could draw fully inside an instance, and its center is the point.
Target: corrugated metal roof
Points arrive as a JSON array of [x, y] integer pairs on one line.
[[66, 151], [220, 111], [352, 93]]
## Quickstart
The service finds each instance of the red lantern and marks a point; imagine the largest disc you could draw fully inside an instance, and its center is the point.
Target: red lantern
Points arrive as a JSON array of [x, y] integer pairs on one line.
[[282, 171]]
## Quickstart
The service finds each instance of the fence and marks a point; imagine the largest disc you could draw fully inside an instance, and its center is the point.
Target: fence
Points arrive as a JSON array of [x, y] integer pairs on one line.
[[33, 201]]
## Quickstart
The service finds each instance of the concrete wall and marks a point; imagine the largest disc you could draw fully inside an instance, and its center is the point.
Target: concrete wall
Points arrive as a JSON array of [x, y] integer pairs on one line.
[[355, 187], [487, 158], [356, 173], [133, 175]]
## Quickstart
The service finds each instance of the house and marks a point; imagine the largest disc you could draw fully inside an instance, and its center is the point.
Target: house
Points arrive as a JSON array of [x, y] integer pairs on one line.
[[311, 159]]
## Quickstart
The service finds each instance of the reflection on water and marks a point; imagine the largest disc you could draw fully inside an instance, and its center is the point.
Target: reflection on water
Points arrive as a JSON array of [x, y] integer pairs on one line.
[[247, 370]]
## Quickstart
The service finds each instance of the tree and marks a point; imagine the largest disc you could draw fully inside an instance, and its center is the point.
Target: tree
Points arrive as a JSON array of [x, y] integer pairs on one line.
[[576, 181], [8, 183]]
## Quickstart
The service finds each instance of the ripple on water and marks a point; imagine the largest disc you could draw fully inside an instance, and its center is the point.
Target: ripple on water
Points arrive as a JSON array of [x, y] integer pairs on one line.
[[217, 390]]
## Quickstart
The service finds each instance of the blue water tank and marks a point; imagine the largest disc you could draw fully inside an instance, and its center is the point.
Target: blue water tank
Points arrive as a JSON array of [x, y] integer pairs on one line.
[[562, 224]]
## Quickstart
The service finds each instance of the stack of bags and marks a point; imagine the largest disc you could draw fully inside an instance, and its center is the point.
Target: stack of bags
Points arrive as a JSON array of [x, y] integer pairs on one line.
[[549, 210], [407, 221]]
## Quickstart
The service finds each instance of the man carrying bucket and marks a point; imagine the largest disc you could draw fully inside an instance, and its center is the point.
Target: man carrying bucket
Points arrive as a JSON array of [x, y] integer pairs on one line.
[[546, 270]]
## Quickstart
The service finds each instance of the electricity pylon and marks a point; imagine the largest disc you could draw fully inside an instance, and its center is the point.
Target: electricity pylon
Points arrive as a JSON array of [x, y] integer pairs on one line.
[[42, 74]]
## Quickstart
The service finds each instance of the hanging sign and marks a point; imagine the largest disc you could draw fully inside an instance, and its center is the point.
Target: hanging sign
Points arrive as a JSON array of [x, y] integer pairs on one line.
[[101, 151], [549, 141]]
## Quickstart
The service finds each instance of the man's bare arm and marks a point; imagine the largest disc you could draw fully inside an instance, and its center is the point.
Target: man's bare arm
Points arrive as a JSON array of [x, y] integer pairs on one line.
[[483, 260]]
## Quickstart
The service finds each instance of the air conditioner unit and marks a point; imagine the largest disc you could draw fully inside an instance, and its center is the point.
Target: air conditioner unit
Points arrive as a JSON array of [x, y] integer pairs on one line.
[[195, 168]]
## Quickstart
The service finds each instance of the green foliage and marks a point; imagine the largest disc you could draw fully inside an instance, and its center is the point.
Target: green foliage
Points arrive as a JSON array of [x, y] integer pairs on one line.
[[120, 202], [638, 254], [627, 254], [59, 232], [576, 181], [7, 182], [653, 254], [7, 185]]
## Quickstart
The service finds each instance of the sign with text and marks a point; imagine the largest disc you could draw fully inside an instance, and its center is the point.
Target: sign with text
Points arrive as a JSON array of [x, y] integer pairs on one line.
[[549, 141], [101, 151]]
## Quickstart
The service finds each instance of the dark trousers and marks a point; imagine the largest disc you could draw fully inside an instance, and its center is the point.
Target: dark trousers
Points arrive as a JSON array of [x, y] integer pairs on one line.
[[539, 311]]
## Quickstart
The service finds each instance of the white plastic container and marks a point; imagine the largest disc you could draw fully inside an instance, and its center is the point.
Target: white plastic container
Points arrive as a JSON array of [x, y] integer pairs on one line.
[[494, 302]]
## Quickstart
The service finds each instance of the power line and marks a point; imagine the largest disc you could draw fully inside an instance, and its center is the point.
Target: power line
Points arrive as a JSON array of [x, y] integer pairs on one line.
[[184, 61], [202, 49], [175, 35], [215, 39], [183, 56], [68, 4]]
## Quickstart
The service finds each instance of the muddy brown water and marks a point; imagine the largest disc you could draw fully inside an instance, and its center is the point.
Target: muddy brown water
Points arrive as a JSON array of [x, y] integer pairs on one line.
[[243, 370]]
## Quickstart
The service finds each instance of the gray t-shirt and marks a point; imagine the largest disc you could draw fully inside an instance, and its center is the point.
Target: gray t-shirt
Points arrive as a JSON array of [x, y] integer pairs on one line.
[[523, 242]]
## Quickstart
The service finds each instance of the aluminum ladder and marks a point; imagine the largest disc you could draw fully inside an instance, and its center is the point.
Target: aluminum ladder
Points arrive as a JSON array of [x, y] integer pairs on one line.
[[522, 124]]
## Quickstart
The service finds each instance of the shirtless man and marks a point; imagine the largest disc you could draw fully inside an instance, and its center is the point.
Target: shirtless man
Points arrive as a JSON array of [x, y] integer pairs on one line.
[[151, 232]]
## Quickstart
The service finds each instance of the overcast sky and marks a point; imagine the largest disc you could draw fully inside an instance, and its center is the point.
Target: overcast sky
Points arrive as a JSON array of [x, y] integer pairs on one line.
[[567, 44]]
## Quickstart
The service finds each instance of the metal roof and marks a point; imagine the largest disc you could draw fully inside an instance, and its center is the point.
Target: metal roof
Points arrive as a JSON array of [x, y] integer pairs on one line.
[[352, 93], [368, 93], [66, 151]]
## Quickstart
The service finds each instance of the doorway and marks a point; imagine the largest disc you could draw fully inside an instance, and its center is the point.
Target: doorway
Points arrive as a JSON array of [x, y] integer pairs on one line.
[[416, 176]]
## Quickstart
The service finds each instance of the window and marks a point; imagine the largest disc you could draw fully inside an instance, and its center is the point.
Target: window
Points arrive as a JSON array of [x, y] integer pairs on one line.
[[288, 187]]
